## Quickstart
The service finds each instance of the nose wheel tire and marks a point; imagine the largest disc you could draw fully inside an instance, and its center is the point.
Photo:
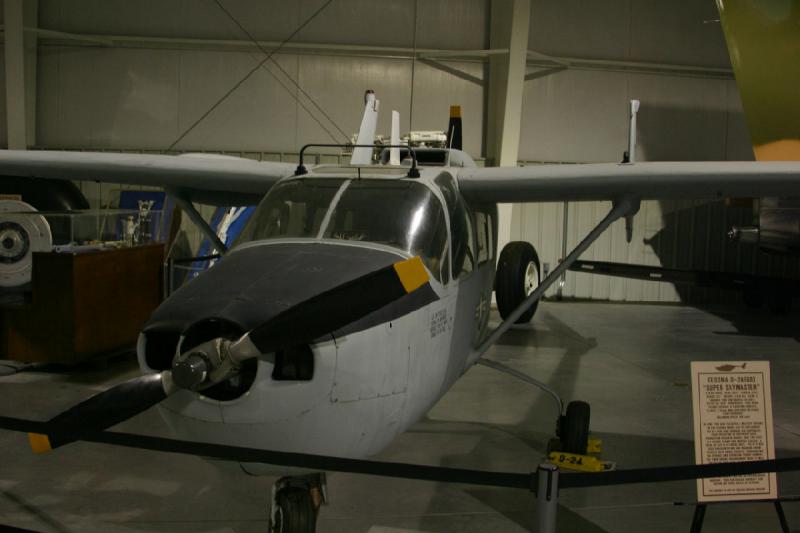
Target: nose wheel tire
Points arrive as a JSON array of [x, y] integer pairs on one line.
[[294, 512], [518, 275]]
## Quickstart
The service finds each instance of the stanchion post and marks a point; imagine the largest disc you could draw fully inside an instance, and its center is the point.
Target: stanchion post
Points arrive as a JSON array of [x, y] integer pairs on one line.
[[697, 518], [547, 496], [781, 517]]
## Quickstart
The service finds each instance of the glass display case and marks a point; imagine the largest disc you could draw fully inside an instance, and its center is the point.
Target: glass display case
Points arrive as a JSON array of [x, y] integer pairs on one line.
[[24, 232], [110, 228]]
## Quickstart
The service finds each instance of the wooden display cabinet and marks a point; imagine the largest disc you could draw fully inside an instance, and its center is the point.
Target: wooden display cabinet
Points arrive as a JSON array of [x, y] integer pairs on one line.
[[83, 305]]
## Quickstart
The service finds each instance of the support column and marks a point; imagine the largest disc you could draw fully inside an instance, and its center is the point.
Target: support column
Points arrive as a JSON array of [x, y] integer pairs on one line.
[[20, 72], [510, 24]]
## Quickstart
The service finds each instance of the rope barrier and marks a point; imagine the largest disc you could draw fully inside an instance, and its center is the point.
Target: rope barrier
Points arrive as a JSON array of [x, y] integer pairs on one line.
[[677, 473], [411, 471], [312, 462]]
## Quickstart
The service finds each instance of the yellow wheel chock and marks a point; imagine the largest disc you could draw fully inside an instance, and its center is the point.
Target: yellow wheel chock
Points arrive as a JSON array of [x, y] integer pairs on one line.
[[582, 463]]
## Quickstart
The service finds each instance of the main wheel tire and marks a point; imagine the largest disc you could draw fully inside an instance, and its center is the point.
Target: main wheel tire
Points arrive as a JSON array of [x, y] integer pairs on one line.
[[574, 430], [295, 512], [518, 274]]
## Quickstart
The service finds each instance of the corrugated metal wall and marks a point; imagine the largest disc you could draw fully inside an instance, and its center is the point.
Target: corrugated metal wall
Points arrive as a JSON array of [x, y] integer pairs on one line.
[[673, 234]]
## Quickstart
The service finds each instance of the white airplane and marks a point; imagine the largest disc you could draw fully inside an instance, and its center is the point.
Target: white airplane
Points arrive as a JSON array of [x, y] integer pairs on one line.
[[355, 297]]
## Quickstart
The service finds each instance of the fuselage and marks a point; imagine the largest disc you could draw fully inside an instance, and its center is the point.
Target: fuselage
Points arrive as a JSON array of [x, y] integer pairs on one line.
[[351, 392]]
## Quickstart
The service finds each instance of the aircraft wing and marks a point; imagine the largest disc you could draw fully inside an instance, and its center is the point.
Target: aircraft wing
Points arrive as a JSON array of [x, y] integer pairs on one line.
[[606, 181], [215, 180]]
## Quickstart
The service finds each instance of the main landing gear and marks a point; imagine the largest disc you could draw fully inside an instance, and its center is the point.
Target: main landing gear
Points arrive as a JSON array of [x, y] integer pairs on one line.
[[296, 502]]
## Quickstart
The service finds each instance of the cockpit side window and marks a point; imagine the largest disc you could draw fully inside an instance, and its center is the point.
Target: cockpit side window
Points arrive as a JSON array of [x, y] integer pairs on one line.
[[483, 231], [469, 259]]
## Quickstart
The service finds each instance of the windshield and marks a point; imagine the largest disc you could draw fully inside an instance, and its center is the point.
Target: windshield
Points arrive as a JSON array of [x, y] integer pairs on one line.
[[401, 214], [292, 209]]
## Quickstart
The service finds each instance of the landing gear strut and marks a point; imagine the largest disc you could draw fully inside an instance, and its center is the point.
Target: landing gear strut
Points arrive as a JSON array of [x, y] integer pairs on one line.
[[572, 425], [296, 502]]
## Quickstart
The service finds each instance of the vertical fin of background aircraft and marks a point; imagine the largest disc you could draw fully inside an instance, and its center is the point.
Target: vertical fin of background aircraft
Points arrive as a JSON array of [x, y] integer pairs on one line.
[[366, 133], [394, 153], [454, 128], [763, 40]]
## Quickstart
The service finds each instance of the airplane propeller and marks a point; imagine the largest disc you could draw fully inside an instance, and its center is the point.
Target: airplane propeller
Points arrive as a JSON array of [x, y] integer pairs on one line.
[[101, 411], [216, 360]]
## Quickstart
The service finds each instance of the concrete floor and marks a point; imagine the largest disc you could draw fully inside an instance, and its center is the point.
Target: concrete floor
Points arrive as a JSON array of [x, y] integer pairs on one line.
[[631, 362]]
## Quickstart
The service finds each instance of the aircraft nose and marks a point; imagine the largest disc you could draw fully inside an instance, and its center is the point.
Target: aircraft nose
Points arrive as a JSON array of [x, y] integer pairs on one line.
[[250, 286]]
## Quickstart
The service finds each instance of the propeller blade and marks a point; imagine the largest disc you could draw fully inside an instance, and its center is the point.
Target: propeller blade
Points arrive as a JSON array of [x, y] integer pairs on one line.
[[102, 411], [342, 305]]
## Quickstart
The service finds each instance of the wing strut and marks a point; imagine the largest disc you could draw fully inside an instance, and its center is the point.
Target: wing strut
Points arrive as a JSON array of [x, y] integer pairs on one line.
[[200, 222], [624, 207]]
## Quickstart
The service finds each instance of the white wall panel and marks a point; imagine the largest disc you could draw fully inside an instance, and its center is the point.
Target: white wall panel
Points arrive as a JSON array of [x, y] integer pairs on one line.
[[575, 28], [448, 24], [358, 22], [451, 24], [135, 98], [105, 97], [677, 32], [574, 115], [578, 115], [266, 19], [116, 17], [259, 113], [680, 118]]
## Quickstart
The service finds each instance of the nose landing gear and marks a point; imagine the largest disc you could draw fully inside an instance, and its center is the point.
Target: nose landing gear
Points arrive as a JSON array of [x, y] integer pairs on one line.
[[295, 503]]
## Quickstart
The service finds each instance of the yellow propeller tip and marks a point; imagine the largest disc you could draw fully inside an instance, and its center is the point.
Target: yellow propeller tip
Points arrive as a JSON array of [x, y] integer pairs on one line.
[[412, 273], [39, 443]]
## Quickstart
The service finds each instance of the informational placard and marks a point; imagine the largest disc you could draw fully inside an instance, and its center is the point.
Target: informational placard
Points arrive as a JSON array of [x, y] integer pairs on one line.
[[732, 404]]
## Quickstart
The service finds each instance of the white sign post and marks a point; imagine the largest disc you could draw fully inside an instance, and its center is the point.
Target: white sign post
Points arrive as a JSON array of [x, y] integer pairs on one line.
[[732, 404]]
